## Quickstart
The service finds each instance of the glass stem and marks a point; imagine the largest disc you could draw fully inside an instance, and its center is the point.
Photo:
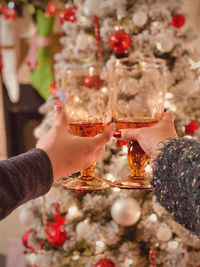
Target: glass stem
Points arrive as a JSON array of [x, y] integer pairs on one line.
[[137, 160], [88, 172]]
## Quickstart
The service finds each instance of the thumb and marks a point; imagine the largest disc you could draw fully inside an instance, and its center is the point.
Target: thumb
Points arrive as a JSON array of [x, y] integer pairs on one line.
[[103, 138], [60, 118], [129, 134]]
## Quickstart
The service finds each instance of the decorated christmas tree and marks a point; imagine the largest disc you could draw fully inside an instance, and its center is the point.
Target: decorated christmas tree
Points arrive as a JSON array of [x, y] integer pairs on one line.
[[117, 227]]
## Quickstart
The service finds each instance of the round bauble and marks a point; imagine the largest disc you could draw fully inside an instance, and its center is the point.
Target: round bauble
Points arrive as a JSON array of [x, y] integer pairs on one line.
[[164, 234], [82, 229], [105, 263], [56, 236], [125, 211], [178, 21], [51, 9], [120, 42], [92, 82], [139, 18], [165, 43]]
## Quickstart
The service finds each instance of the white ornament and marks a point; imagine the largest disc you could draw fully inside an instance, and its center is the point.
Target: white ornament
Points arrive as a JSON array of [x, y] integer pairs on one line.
[[82, 229], [126, 211], [91, 7], [164, 234], [164, 43], [139, 18], [26, 218]]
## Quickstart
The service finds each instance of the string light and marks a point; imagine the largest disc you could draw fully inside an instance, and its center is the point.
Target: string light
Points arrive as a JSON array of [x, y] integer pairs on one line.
[[100, 244], [153, 217], [104, 90], [173, 244], [115, 189], [75, 257]]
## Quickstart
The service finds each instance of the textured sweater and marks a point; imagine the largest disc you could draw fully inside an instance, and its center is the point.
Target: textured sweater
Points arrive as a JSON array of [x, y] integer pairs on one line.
[[176, 181], [23, 178]]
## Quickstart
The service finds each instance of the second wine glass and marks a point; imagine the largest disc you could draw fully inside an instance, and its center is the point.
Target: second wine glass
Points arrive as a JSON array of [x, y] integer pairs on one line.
[[86, 103], [138, 87]]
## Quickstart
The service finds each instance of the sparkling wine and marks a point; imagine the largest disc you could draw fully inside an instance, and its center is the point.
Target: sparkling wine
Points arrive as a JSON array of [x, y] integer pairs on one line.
[[85, 129]]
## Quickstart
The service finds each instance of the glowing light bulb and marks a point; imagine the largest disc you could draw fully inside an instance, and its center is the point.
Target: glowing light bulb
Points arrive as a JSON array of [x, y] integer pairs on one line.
[[153, 217]]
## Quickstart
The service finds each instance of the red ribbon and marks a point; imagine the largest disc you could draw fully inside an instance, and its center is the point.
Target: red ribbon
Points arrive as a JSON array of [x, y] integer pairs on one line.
[[58, 219], [25, 240], [97, 36]]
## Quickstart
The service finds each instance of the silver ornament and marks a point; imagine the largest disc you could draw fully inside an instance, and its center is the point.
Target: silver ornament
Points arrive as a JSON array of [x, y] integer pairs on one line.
[[125, 211]]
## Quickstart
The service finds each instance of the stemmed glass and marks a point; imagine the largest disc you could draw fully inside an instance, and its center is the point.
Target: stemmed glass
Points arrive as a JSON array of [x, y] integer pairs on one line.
[[138, 87], [86, 103]]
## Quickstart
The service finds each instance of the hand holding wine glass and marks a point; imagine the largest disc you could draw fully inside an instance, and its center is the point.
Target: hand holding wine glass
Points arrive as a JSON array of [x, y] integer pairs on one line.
[[88, 110], [138, 87], [68, 153], [151, 138]]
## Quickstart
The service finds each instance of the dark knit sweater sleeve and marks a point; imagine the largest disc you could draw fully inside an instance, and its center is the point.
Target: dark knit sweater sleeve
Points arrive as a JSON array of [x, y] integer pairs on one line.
[[176, 181], [23, 178]]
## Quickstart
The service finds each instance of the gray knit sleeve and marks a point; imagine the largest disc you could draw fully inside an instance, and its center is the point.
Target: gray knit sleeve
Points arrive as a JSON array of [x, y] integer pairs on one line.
[[23, 178], [176, 181]]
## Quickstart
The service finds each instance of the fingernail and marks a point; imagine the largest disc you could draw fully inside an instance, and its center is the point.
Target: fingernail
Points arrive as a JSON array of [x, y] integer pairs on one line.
[[117, 134]]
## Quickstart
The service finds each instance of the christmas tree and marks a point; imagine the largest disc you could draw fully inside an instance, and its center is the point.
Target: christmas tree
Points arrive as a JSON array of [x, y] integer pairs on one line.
[[116, 227]]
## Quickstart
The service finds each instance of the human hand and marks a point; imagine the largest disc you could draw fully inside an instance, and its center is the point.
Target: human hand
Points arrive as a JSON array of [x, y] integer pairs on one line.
[[152, 138], [67, 153]]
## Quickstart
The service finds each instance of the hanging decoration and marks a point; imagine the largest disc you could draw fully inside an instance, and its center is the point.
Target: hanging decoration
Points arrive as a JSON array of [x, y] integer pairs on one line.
[[152, 257], [68, 14], [57, 234], [53, 88], [25, 239], [191, 127], [97, 36], [178, 21], [125, 211], [120, 42], [93, 81], [8, 13], [51, 9], [105, 263]]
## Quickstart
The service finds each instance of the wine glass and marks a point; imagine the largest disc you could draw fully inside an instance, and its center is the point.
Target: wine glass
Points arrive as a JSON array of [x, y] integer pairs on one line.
[[86, 103], [138, 87]]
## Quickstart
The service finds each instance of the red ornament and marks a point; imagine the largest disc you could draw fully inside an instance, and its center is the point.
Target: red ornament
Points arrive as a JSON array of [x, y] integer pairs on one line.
[[191, 127], [68, 14], [120, 42], [53, 88], [25, 240], [152, 257], [51, 9], [178, 21], [105, 263], [9, 13], [121, 143], [57, 234], [97, 36], [92, 82]]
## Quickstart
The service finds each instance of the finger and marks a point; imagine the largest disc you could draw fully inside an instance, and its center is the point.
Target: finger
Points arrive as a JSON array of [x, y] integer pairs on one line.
[[103, 138], [129, 134], [60, 117]]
